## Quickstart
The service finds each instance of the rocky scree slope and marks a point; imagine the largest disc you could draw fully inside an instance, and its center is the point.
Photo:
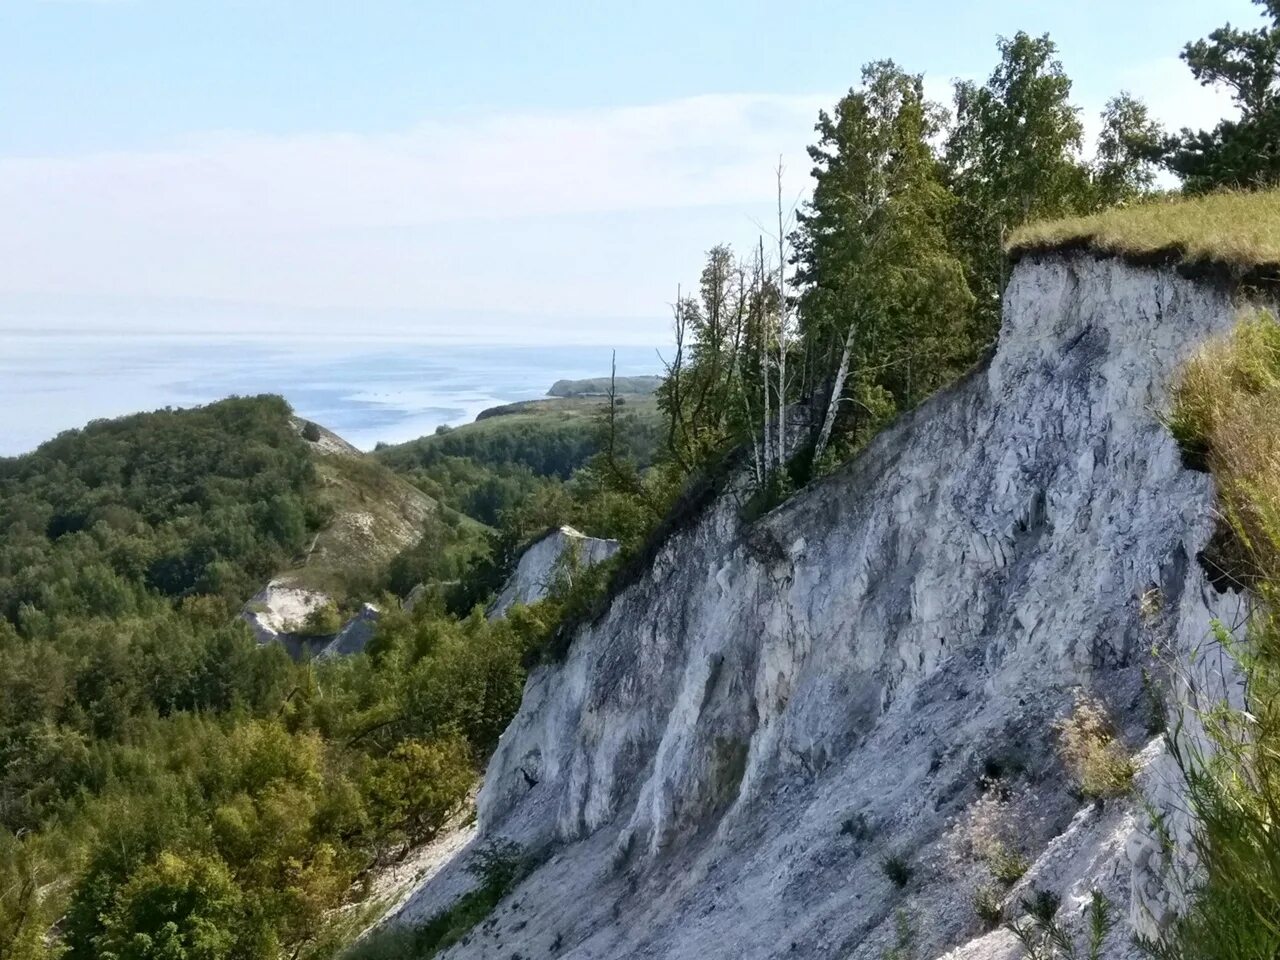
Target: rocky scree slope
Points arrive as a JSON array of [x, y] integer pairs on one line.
[[725, 759]]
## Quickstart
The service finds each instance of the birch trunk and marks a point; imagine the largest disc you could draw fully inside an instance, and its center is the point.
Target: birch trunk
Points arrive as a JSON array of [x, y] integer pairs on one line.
[[833, 404], [768, 423], [782, 331]]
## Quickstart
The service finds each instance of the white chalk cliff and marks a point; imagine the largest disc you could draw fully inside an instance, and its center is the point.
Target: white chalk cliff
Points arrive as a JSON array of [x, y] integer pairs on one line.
[[723, 761], [544, 559]]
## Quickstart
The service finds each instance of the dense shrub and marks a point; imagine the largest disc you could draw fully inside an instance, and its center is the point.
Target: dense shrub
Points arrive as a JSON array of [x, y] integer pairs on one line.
[[989, 906], [896, 869]]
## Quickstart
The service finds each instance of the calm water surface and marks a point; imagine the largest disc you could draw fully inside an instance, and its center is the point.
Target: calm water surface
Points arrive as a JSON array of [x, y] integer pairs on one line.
[[367, 392]]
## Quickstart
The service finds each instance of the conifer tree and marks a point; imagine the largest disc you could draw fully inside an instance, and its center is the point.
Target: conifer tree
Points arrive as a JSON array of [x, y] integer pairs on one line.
[[883, 299]]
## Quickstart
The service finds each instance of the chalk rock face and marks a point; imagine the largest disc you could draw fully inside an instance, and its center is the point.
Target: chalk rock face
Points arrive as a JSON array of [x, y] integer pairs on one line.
[[726, 761], [277, 613], [279, 609], [540, 563], [355, 633]]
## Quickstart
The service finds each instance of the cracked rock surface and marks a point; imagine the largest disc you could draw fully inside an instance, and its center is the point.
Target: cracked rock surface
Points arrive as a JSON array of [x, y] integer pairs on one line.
[[724, 762]]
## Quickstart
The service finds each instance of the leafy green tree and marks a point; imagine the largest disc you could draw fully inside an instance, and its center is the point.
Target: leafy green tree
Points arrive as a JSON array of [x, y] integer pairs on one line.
[[1130, 148], [421, 785], [1243, 152], [1012, 155], [883, 300], [179, 907], [699, 397], [25, 914]]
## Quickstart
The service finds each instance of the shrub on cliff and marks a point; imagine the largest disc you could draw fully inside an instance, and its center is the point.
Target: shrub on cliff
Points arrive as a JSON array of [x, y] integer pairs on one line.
[[1093, 753], [1223, 410]]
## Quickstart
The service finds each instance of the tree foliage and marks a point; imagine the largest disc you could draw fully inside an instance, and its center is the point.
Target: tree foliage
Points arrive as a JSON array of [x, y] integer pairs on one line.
[[883, 295], [1130, 148], [1245, 151], [168, 788], [1012, 155]]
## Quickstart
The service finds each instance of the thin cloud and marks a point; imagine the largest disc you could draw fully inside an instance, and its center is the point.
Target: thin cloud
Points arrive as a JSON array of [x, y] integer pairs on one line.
[[398, 220], [573, 213]]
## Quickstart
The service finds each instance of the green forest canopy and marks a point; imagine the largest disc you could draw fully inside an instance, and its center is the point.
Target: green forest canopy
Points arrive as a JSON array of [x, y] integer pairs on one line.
[[168, 789]]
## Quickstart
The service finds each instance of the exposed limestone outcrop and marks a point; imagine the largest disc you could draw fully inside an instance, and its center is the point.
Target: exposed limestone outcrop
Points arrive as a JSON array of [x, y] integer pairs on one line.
[[279, 611], [544, 559], [355, 633], [724, 760]]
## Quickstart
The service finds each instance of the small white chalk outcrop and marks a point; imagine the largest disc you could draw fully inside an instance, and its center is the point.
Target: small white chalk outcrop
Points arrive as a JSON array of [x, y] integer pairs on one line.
[[542, 562]]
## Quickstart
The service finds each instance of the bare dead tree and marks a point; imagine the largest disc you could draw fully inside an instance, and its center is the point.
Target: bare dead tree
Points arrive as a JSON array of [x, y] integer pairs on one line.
[[674, 371]]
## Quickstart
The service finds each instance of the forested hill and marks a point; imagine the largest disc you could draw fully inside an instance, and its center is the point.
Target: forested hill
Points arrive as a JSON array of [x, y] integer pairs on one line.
[[168, 787], [210, 501], [177, 502], [517, 455]]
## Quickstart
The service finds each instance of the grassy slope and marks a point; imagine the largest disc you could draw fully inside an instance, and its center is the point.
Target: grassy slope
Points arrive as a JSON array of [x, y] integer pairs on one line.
[[1236, 233], [586, 410], [375, 515], [1223, 416]]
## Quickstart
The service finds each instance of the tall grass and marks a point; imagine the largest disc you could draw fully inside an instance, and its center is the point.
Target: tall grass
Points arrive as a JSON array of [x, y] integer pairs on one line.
[[1226, 412]]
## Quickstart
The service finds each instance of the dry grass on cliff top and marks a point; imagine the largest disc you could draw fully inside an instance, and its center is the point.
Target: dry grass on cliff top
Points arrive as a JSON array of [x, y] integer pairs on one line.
[[1234, 232]]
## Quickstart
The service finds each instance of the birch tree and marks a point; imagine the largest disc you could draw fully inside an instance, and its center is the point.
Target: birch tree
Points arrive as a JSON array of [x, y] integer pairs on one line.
[[882, 293]]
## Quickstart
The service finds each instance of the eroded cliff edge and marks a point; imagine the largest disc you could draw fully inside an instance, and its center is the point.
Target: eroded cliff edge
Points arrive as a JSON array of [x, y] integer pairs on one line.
[[724, 760]]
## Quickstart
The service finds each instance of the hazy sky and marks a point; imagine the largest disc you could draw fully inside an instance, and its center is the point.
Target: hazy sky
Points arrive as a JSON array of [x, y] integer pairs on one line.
[[486, 171]]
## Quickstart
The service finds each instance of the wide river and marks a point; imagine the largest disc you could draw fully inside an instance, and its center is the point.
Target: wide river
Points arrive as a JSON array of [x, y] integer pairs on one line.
[[367, 391]]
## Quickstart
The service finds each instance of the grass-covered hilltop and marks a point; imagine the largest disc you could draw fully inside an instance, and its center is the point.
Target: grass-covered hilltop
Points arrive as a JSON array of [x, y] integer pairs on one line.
[[171, 789], [1233, 234]]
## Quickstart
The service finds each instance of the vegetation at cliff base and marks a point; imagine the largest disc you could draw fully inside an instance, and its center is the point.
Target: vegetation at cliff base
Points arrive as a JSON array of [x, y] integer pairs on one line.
[[497, 869]]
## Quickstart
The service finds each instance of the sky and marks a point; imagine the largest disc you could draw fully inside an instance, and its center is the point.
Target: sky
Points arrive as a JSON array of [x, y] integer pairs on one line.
[[495, 172]]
